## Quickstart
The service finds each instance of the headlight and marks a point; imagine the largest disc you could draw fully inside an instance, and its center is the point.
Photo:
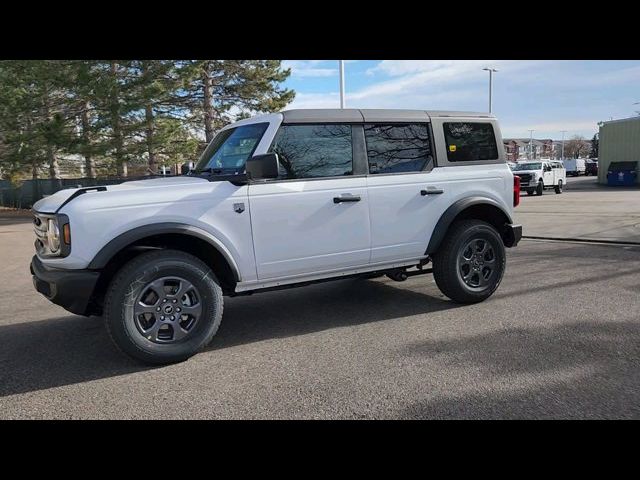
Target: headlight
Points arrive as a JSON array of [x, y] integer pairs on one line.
[[53, 236]]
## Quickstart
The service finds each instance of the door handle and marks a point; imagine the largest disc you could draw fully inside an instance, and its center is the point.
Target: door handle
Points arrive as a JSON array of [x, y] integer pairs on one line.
[[346, 198], [431, 191]]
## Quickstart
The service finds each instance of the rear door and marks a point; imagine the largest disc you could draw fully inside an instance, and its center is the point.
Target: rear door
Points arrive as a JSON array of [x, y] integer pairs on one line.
[[405, 197], [315, 217]]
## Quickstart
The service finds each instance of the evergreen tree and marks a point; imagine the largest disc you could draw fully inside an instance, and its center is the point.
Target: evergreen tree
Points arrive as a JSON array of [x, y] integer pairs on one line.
[[115, 113], [595, 144], [216, 92]]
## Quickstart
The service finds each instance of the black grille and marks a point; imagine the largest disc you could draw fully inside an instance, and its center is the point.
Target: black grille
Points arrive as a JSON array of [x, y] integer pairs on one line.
[[524, 177]]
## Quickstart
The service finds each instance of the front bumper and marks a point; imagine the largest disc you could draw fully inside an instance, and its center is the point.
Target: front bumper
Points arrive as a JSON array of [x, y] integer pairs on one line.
[[511, 234], [71, 289]]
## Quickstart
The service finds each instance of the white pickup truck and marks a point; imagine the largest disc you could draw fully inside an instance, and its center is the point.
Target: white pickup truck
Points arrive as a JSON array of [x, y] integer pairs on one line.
[[277, 201], [537, 176]]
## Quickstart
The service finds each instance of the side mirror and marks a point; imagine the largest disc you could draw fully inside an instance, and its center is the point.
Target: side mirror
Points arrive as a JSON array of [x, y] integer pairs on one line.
[[262, 166]]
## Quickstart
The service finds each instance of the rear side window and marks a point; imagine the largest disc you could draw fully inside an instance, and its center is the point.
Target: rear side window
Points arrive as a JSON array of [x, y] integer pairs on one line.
[[470, 142], [398, 148], [308, 151]]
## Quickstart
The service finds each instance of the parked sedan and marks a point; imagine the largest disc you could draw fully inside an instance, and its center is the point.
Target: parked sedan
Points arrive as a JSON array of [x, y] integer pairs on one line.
[[591, 167]]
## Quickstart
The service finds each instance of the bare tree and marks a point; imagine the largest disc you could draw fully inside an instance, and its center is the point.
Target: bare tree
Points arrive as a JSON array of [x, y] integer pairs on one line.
[[577, 147]]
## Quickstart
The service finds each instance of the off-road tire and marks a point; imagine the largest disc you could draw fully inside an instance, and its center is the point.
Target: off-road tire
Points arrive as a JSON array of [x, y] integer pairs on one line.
[[127, 285], [446, 270]]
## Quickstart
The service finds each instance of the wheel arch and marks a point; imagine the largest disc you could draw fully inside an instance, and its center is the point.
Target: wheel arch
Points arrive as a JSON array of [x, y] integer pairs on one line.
[[177, 236], [481, 208]]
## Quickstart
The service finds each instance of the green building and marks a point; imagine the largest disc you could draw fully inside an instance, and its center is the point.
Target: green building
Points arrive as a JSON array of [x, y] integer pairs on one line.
[[619, 142]]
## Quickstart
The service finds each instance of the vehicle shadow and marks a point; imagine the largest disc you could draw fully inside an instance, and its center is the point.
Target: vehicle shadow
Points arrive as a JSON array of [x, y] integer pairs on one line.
[[69, 350], [579, 370], [343, 303]]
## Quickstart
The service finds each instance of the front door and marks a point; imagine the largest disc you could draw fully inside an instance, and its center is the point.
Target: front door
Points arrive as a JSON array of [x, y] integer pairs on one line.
[[315, 217]]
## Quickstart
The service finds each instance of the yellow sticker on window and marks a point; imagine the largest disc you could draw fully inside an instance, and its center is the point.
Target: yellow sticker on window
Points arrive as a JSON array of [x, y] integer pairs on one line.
[[452, 148]]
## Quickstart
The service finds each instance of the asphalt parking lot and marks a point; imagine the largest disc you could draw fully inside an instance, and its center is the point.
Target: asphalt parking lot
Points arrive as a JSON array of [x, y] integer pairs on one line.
[[559, 339]]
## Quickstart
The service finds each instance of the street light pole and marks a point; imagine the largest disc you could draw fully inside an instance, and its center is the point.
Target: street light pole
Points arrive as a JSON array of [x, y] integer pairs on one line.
[[563, 132], [341, 83], [530, 143], [491, 72]]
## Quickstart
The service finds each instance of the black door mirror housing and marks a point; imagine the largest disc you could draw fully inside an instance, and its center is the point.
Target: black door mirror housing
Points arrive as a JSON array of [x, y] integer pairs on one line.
[[262, 166]]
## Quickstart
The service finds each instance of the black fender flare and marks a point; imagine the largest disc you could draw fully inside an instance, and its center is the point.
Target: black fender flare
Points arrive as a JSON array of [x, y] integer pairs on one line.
[[106, 253], [452, 212]]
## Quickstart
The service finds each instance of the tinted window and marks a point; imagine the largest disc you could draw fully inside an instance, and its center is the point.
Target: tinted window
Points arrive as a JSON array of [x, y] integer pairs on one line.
[[308, 151], [398, 148], [468, 142], [229, 150]]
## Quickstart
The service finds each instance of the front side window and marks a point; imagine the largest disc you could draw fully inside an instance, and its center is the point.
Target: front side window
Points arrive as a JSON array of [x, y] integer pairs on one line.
[[398, 148], [470, 142], [308, 151], [230, 149]]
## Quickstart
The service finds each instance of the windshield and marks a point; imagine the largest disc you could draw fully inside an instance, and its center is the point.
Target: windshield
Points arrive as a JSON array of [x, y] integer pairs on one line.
[[528, 166], [230, 149]]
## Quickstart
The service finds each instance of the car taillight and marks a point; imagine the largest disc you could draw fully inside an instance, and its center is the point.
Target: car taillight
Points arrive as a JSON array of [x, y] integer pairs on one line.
[[516, 190]]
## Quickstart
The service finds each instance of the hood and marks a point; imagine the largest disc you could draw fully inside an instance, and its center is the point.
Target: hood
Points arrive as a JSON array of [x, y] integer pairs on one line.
[[51, 203], [530, 172]]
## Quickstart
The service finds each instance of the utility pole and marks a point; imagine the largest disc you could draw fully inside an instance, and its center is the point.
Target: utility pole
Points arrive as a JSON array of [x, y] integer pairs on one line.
[[563, 132], [531, 143], [491, 72], [341, 83]]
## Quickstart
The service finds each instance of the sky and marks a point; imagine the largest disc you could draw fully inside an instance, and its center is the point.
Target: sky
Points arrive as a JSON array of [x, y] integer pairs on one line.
[[545, 95]]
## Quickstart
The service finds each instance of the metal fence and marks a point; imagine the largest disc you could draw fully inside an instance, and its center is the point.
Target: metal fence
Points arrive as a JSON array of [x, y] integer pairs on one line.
[[31, 191]]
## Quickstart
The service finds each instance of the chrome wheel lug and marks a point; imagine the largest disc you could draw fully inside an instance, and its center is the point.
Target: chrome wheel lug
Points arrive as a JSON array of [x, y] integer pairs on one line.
[[178, 309], [158, 309], [161, 317], [164, 300], [175, 301], [172, 317]]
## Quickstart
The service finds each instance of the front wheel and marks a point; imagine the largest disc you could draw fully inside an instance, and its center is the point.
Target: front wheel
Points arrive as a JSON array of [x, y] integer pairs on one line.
[[539, 188], [470, 263], [559, 187], [163, 307]]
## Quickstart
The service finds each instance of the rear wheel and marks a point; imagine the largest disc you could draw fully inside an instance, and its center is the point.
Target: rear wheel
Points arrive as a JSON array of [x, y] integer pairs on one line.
[[470, 263], [163, 307], [558, 187]]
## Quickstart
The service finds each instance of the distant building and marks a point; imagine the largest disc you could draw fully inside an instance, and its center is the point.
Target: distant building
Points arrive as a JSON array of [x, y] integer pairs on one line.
[[619, 142], [518, 149]]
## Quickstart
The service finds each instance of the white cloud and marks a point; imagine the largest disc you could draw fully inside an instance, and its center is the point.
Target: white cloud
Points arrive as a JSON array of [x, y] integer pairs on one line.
[[550, 129], [316, 100], [545, 95], [309, 68]]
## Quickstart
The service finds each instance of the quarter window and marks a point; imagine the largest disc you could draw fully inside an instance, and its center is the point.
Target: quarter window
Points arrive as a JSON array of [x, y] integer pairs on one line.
[[307, 151], [470, 142], [398, 148]]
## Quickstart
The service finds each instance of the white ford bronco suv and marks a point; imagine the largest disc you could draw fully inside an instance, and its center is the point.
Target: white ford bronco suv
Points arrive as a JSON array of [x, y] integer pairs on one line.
[[276, 201], [541, 175]]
